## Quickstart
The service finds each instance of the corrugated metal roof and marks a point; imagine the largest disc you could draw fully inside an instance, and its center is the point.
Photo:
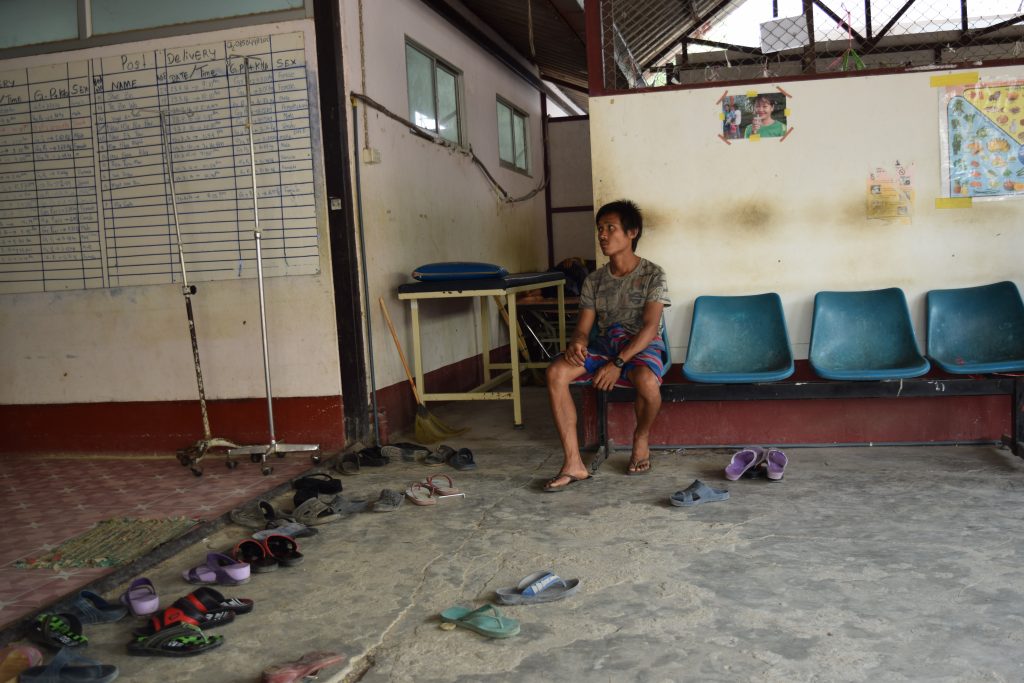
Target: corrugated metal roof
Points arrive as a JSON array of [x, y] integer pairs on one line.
[[647, 28]]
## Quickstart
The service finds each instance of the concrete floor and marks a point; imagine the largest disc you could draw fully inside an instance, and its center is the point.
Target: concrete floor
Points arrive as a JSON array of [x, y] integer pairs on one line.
[[881, 564]]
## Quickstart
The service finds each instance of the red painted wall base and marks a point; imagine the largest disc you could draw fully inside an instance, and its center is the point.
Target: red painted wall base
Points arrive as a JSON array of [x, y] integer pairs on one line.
[[821, 421], [165, 426]]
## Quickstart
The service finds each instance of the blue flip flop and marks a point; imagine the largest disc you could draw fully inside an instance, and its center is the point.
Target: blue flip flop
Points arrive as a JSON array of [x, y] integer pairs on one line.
[[696, 493], [486, 620], [542, 586]]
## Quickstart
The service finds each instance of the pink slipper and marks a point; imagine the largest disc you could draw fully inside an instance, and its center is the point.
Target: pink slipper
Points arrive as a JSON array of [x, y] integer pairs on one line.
[[141, 597], [308, 664], [777, 462], [219, 569]]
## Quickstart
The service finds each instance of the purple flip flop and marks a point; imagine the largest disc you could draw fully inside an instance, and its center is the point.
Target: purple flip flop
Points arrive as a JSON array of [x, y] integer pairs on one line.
[[220, 569], [141, 597], [743, 460], [777, 462]]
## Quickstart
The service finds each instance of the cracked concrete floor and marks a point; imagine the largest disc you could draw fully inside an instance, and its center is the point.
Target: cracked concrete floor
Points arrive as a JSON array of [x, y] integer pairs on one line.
[[890, 564]]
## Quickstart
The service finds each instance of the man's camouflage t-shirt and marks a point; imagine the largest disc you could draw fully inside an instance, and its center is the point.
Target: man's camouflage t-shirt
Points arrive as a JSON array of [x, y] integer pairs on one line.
[[622, 299]]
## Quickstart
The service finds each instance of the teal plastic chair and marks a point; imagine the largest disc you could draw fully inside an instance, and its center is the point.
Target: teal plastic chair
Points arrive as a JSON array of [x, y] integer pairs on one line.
[[975, 330], [738, 339], [864, 336]]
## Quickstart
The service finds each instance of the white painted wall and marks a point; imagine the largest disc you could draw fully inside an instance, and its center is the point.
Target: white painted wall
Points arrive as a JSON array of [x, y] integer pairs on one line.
[[424, 203], [790, 217], [132, 343]]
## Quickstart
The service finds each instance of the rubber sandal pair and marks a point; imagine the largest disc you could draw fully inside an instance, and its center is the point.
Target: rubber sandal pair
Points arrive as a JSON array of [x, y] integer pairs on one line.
[[15, 659], [316, 511], [433, 489], [56, 631], [68, 665], [753, 462], [264, 555], [204, 607], [220, 569], [487, 621], [697, 493], [141, 597], [306, 666], [539, 587], [313, 486], [407, 452], [461, 459], [91, 608], [389, 501], [179, 639], [285, 528]]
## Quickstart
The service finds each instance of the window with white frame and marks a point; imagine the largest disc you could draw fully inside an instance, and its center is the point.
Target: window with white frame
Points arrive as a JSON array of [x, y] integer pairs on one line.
[[433, 93], [513, 126]]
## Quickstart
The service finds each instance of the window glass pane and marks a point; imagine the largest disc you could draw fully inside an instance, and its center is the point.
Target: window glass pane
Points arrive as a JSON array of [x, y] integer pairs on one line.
[[519, 140], [447, 105], [418, 69], [505, 152], [112, 16], [27, 22]]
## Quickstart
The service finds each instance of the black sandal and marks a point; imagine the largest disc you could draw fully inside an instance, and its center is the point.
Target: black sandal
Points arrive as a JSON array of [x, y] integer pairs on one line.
[[57, 631], [181, 639]]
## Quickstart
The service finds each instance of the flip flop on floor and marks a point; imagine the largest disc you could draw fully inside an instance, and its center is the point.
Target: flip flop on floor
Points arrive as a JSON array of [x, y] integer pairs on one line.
[[744, 460], [632, 469], [548, 488], [69, 665], [91, 608], [141, 597], [306, 666], [439, 457], [442, 489], [57, 631], [178, 640], [542, 586], [203, 607], [420, 494], [487, 621], [293, 529], [219, 569], [696, 493]]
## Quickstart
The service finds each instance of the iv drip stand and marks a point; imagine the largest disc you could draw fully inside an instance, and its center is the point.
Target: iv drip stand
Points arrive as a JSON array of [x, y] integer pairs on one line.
[[259, 453]]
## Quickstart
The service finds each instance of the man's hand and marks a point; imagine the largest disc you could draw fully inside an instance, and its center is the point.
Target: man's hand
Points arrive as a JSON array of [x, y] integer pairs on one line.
[[606, 377], [576, 353]]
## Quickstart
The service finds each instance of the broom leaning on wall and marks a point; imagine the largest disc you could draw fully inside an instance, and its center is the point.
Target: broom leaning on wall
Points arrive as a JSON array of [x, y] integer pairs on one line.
[[429, 429]]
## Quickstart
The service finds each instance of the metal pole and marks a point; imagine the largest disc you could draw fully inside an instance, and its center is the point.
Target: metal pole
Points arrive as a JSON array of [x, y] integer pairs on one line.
[[259, 257]]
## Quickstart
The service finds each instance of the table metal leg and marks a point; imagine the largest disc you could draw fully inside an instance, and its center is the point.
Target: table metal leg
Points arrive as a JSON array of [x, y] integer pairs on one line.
[[513, 338], [485, 337], [417, 348]]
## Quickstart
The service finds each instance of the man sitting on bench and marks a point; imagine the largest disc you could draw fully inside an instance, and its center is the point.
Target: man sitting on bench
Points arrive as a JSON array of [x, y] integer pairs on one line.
[[625, 298]]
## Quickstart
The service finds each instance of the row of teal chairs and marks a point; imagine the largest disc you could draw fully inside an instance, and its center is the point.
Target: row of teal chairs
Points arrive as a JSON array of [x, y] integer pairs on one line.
[[865, 335]]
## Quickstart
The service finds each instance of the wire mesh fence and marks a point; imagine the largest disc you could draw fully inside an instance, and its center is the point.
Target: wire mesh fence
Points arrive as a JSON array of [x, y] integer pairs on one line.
[[652, 43]]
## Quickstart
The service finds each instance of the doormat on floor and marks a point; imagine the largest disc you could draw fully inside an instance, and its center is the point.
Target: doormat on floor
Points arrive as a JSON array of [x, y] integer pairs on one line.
[[111, 543]]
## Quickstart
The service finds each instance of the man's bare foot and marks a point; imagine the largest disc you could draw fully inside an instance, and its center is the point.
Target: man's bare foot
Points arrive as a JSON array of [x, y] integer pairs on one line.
[[564, 480]]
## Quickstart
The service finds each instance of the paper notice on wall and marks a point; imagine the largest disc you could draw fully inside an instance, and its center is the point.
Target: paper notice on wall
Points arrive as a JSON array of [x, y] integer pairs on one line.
[[890, 193]]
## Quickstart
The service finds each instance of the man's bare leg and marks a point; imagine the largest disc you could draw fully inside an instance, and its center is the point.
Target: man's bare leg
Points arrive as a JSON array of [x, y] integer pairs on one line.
[[647, 405], [559, 375]]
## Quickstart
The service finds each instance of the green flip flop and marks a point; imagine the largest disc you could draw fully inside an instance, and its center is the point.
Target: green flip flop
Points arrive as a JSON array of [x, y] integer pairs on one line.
[[486, 620]]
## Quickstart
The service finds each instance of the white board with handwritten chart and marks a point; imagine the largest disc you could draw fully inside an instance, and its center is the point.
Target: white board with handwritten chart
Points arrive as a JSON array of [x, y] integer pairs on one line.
[[85, 196]]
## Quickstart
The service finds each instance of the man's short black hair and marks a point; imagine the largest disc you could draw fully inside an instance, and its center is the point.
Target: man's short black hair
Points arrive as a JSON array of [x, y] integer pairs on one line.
[[629, 215]]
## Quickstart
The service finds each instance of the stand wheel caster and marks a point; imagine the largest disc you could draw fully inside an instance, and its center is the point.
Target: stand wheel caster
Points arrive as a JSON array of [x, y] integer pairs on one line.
[[198, 471], [315, 458], [255, 457], [267, 470], [231, 464]]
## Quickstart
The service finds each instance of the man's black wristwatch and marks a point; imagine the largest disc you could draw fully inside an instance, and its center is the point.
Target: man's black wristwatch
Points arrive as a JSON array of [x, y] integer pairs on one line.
[[618, 362]]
